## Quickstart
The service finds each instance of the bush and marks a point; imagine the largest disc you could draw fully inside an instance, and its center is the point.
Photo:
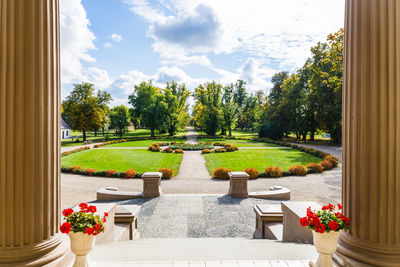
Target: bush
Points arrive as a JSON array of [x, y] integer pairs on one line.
[[188, 146], [206, 151], [315, 167], [219, 150], [90, 172], [273, 171], [298, 170], [219, 144], [230, 148], [270, 130], [167, 173], [130, 173], [76, 168], [253, 173], [154, 148], [332, 159], [110, 173], [179, 151], [168, 150], [221, 173], [326, 164], [96, 146]]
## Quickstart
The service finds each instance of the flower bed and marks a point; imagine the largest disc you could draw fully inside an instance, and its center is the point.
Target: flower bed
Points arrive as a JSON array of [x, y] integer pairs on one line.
[[107, 173], [75, 151], [188, 146]]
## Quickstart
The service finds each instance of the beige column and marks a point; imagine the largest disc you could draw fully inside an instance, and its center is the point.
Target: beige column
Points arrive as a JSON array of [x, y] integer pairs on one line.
[[29, 133], [371, 120]]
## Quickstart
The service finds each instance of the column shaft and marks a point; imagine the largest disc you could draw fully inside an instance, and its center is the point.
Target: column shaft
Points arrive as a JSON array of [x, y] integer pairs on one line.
[[29, 132], [371, 137]]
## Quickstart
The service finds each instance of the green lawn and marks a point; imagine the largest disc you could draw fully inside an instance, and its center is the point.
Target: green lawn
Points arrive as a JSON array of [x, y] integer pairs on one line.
[[258, 158], [123, 159], [238, 143], [146, 143]]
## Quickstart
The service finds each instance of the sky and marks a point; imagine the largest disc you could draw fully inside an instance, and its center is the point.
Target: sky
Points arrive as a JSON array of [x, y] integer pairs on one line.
[[116, 44]]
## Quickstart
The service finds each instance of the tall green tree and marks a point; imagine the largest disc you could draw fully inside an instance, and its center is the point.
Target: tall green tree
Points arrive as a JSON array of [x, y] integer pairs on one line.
[[82, 109], [120, 119], [176, 96], [209, 98], [104, 98], [149, 105], [233, 100]]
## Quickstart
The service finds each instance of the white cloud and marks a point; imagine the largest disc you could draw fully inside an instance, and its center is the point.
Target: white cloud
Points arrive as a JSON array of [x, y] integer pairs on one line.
[[115, 37], [108, 45], [76, 40], [98, 77]]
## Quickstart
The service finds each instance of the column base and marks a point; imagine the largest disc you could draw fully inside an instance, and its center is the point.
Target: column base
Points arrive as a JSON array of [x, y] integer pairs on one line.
[[357, 253], [48, 253]]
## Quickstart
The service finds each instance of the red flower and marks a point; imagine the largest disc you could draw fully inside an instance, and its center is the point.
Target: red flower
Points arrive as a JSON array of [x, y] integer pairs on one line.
[[328, 207], [83, 206], [304, 221], [89, 231], [339, 206], [320, 228], [105, 214], [346, 220], [325, 207], [315, 220], [65, 228], [67, 212], [333, 225], [97, 228], [338, 215], [91, 209]]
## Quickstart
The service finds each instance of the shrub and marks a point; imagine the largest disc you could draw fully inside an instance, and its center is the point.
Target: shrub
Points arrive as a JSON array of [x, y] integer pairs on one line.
[[110, 173], [76, 168], [173, 143], [219, 150], [179, 151], [154, 148], [274, 171], [298, 170], [96, 146], [221, 173], [130, 173], [219, 144], [230, 148], [156, 144], [167, 173], [206, 151], [253, 173], [188, 146], [326, 164], [332, 159], [168, 150], [315, 167], [90, 171]]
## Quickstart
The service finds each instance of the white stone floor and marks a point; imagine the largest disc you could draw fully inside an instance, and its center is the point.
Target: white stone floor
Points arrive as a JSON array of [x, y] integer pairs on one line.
[[277, 263]]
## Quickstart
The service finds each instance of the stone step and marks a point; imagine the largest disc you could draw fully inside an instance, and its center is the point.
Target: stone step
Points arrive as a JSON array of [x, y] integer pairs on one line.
[[121, 232], [250, 263], [200, 249], [273, 230]]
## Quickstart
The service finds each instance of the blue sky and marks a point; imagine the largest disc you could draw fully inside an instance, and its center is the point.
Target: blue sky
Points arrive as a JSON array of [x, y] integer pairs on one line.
[[116, 44]]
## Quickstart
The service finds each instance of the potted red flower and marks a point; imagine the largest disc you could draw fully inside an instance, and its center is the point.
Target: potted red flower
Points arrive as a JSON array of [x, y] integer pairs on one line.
[[326, 224], [82, 226]]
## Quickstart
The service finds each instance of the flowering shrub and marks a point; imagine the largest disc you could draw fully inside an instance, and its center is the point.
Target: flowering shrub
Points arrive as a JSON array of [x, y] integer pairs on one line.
[[76, 168], [298, 170], [154, 148], [219, 144], [168, 150], [221, 173], [130, 173], [326, 164], [167, 173], [83, 221], [219, 150], [326, 219], [274, 171], [253, 173], [110, 173], [189, 146], [230, 148], [316, 167], [332, 159], [90, 171], [206, 151], [179, 151]]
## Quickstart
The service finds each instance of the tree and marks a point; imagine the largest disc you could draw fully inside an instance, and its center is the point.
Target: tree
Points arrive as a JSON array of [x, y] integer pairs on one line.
[[104, 98], [233, 100], [82, 109], [149, 105], [119, 117], [208, 97], [176, 100]]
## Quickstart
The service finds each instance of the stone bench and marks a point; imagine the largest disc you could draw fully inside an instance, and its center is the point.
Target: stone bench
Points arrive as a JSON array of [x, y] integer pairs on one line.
[[274, 192], [112, 194], [128, 214]]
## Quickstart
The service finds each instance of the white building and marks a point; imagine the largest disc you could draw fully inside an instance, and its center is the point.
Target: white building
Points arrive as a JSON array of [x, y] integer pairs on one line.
[[65, 130]]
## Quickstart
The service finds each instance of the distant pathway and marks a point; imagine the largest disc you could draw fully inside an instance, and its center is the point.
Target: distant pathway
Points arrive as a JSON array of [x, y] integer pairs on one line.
[[193, 165]]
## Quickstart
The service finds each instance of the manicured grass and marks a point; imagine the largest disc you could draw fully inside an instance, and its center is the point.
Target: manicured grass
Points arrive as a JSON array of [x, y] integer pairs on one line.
[[123, 159], [238, 143], [146, 143], [258, 158]]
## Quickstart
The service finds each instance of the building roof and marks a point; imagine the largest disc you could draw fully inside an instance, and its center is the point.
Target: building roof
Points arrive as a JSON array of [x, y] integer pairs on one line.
[[64, 125]]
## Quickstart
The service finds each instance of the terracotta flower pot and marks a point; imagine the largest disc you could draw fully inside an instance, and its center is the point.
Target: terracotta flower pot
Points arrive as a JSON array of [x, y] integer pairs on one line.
[[326, 245], [81, 245]]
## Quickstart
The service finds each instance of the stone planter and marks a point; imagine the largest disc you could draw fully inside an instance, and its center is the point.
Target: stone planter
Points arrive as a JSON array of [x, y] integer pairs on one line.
[[326, 245], [81, 245]]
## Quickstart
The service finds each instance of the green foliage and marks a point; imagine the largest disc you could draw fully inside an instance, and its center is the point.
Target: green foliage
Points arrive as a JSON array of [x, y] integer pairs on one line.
[[176, 97], [187, 146], [119, 117]]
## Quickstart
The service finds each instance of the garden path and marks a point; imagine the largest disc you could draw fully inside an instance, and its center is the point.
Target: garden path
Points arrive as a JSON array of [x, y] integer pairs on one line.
[[193, 162]]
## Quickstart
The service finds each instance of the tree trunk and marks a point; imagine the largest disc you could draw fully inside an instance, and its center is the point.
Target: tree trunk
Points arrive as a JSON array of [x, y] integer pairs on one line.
[[103, 130], [95, 133], [152, 132], [230, 132], [84, 135], [304, 136], [312, 135]]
